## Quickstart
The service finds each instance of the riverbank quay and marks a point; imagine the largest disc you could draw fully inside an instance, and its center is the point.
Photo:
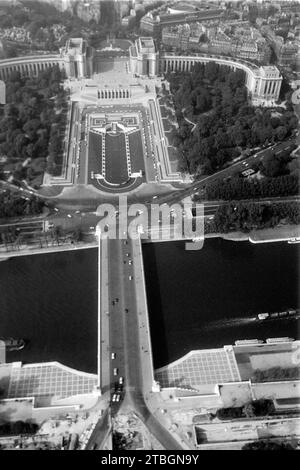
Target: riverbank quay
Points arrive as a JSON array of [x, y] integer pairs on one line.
[[277, 234], [283, 233], [34, 250]]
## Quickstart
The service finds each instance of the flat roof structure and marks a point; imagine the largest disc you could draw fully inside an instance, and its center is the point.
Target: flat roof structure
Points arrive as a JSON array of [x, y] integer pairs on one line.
[[265, 356], [198, 368], [269, 71], [166, 19], [145, 45], [75, 46], [48, 379]]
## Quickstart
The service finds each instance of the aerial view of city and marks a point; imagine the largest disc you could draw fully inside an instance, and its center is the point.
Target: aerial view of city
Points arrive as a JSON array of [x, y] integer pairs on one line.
[[149, 227]]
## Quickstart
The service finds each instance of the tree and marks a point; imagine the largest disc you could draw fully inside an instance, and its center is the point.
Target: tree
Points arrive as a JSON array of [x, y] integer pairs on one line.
[[263, 407], [248, 410], [268, 445], [229, 413], [229, 121], [273, 165], [281, 132]]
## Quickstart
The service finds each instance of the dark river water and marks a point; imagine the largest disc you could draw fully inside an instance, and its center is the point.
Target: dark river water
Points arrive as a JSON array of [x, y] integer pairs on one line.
[[51, 300], [197, 299], [208, 298]]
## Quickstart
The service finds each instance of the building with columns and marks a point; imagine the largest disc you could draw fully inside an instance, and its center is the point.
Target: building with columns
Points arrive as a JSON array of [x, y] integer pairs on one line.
[[263, 82], [78, 58], [29, 65], [144, 57], [266, 84]]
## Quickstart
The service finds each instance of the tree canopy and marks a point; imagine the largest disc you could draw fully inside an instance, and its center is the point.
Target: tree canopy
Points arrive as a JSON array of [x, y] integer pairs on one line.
[[247, 216], [238, 188], [33, 124], [268, 445], [12, 205], [216, 99]]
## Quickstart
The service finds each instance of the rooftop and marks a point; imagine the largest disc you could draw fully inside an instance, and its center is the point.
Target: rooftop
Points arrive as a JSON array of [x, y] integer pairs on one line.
[[75, 46], [146, 45], [200, 15], [269, 71], [48, 379], [198, 368]]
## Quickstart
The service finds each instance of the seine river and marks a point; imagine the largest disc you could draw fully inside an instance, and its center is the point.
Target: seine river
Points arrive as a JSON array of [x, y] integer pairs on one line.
[[51, 301], [197, 299], [208, 298]]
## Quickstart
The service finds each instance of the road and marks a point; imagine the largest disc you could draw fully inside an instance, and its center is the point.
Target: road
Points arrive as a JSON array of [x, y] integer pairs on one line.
[[173, 196], [31, 231], [210, 207], [100, 433], [237, 167], [124, 339]]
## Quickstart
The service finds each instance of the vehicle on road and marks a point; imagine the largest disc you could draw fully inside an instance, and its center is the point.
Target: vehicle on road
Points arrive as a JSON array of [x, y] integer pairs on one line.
[[115, 371], [113, 355], [130, 278], [121, 380], [69, 215], [114, 397]]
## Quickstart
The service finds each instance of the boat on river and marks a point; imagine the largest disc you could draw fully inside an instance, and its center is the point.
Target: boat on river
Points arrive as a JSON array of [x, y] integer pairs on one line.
[[13, 344]]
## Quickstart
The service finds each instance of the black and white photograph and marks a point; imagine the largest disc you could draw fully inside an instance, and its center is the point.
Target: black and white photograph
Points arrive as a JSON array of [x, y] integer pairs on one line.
[[149, 228]]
